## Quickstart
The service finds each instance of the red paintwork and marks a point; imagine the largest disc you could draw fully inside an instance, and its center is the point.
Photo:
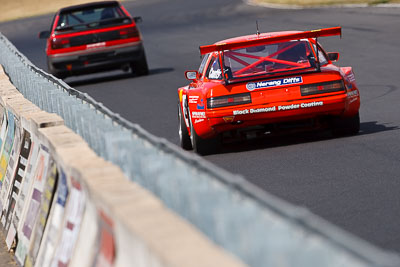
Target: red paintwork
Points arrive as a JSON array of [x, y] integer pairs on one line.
[[208, 123], [84, 49]]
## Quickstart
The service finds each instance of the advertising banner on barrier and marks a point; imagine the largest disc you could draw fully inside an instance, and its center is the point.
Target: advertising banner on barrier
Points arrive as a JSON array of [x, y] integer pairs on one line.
[[86, 246], [3, 131], [25, 183], [19, 175], [16, 187], [10, 173], [5, 154], [105, 257], [34, 199], [45, 206], [74, 212], [55, 221]]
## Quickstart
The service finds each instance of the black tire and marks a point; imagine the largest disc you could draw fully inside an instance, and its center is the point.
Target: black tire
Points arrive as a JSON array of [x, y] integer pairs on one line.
[[204, 146], [140, 67], [184, 137], [344, 126]]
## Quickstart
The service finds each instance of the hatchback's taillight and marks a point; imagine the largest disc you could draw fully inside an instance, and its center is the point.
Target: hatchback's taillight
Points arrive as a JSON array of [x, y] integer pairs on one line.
[[57, 43], [130, 32]]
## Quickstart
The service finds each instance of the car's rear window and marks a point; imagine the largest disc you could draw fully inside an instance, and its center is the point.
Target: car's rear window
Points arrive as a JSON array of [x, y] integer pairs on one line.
[[94, 17], [270, 58]]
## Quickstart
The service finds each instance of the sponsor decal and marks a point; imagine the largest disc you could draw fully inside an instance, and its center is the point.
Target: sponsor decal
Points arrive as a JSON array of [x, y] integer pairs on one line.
[[351, 77], [201, 104], [278, 108], [312, 104], [198, 120], [193, 99], [272, 83], [215, 74], [96, 45], [352, 93], [198, 114]]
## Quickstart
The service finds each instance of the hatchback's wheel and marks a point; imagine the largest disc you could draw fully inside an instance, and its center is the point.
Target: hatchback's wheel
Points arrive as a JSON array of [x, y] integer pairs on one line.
[[204, 146], [140, 66], [343, 126], [184, 137]]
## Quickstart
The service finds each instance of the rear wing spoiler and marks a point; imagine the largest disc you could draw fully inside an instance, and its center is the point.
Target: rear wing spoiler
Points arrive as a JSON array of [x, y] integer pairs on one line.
[[269, 40]]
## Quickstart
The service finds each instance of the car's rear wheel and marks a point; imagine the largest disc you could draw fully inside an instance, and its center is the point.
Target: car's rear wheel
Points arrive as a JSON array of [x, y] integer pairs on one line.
[[343, 126], [204, 146], [184, 137], [140, 66]]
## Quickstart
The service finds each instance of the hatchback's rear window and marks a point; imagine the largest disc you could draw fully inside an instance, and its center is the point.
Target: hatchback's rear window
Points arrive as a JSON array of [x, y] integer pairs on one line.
[[90, 17]]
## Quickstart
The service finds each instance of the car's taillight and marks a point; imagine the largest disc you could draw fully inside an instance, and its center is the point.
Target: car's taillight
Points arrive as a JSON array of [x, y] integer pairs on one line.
[[319, 88], [130, 32], [229, 100], [57, 43]]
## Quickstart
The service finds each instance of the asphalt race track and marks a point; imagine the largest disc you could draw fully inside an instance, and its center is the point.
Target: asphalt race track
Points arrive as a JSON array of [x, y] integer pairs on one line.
[[353, 182]]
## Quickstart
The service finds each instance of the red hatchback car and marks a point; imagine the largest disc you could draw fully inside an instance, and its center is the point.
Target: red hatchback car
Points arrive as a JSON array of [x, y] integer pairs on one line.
[[266, 83], [94, 37]]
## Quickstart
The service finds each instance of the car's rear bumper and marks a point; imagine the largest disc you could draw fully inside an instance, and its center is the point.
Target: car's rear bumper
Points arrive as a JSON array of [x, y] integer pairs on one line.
[[95, 59], [246, 116]]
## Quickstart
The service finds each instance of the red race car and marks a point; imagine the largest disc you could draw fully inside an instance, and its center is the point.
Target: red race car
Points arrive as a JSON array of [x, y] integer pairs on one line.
[[266, 83], [94, 37]]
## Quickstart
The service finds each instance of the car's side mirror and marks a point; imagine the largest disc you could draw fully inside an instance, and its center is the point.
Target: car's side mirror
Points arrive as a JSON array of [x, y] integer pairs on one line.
[[333, 56], [192, 75], [44, 34], [137, 19]]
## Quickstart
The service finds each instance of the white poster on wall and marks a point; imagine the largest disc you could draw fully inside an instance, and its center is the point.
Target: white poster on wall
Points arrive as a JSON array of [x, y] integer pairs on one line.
[[24, 189], [33, 203], [55, 222], [87, 244], [26, 185], [45, 207], [3, 130], [16, 187], [6, 149], [10, 172], [74, 211]]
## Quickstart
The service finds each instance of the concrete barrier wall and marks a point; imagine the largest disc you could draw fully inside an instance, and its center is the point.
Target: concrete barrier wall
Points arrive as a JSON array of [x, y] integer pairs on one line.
[[63, 205]]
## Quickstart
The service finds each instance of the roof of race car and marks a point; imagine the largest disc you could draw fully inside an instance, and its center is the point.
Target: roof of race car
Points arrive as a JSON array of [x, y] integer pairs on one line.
[[264, 38]]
